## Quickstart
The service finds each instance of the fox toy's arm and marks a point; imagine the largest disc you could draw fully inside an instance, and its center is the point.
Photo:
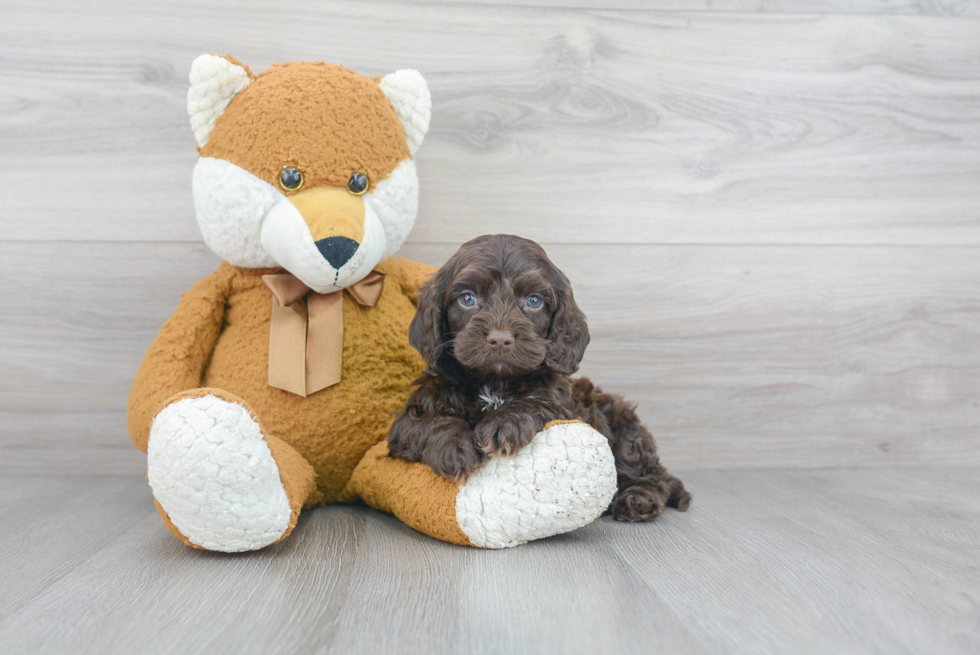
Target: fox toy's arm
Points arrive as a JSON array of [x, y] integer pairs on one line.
[[411, 275], [181, 351]]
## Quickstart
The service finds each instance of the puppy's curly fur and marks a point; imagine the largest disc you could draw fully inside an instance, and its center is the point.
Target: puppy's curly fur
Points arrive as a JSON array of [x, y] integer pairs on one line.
[[501, 334]]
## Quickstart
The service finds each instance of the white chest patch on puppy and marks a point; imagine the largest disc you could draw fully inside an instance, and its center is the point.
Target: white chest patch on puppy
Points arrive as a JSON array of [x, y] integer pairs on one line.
[[491, 399]]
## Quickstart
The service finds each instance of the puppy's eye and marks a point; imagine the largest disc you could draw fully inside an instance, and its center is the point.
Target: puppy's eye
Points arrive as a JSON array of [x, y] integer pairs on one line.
[[291, 179], [358, 183], [533, 302], [467, 300]]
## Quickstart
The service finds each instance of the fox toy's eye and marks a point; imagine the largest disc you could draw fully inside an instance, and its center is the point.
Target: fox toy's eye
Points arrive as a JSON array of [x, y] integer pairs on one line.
[[467, 300], [533, 302], [358, 183], [291, 179]]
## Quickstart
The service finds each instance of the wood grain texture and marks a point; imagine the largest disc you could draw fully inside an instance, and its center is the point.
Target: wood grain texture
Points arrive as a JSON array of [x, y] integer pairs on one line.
[[872, 561], [68, 443], [565, 125], [51, 525], [739, 356], [897, 7]]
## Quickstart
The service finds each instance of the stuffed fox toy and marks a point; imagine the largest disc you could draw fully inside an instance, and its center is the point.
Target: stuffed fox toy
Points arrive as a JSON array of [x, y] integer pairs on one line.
[[273, 385]]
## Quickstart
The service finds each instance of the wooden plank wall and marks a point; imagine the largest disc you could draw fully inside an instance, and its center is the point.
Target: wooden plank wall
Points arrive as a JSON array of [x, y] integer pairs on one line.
[[771, 217]]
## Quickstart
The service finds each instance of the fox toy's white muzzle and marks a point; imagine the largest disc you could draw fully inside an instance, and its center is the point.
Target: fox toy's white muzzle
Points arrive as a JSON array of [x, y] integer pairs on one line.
[[321, 260]]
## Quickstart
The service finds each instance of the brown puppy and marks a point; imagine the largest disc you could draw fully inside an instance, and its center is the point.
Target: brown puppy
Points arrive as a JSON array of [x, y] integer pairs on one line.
[[501, 333]]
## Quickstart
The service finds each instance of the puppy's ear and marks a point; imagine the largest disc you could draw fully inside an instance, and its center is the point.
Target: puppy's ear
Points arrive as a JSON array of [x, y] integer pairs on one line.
[[569, 332], [427, 332]]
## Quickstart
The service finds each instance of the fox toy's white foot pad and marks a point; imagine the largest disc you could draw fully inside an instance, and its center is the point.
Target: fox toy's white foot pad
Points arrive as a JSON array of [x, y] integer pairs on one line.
[[564, 479], [213, 473]]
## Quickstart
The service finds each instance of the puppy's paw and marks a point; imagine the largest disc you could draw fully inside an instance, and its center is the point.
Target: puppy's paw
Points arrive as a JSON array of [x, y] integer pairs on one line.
[[454, 455], [505, 433], [639, 503], [681, 501]]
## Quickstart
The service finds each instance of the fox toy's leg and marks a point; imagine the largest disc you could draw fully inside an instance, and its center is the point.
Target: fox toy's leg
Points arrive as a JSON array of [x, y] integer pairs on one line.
[[218, 482], [564, 479]]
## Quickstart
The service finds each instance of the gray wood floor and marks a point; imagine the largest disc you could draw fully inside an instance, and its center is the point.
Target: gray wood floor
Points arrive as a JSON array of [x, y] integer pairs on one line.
[[769, 210], [819, 561]]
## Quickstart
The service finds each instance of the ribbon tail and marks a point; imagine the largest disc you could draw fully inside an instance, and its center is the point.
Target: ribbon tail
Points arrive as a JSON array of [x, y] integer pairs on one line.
[[324, 341], [287, 347]]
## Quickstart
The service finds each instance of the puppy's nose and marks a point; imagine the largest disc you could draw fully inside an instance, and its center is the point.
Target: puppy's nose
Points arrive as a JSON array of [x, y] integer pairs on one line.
[[500, 340], [337, 250]]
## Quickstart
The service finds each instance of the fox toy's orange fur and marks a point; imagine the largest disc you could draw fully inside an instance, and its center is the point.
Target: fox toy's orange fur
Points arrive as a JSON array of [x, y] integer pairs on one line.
[[357, 131], [326, 121], [218, 339]]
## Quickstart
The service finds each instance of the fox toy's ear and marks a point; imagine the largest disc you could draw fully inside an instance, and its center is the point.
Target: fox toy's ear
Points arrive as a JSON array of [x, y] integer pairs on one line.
[[409, 93], [214, 81]]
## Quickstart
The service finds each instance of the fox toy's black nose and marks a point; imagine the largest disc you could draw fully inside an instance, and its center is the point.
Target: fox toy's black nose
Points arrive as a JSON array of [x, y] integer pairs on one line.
[[337, 250]]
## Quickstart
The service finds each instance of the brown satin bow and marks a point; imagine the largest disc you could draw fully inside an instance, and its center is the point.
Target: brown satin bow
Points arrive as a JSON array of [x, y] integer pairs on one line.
[[306, 339]]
